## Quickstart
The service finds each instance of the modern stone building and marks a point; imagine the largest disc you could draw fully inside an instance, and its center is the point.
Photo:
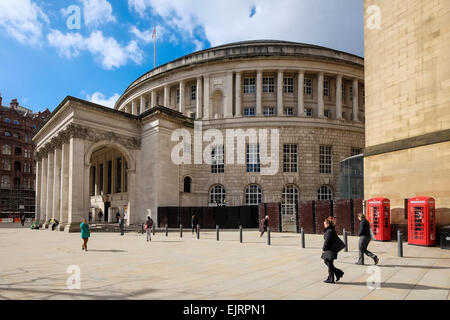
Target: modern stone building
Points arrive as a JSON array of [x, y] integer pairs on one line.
[[92, 158], [17, 166], [408, 105]]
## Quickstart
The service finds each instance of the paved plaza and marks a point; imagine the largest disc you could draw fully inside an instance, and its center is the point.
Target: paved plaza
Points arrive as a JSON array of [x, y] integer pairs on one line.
[[34, 266]]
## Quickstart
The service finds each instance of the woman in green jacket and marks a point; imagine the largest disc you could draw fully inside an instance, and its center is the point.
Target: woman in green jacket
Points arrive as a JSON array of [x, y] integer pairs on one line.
[[85, 234]]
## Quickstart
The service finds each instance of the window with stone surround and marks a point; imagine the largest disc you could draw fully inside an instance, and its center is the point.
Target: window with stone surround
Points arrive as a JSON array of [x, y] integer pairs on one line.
[[351, 93], [194, 92], [289, 85], [356, 151], [6, 165], [326, 159], [289, 111], [253, 195], [324, 193], [289, 200], [187, 184], [327, 113], [308, 86], [253, 158], [268, 85], [6, 182], [217, 159], [217, 195], [6, 150], [249, 85], [178, 96], [290, 158], [326, 88], [308, 112], [343, 92], [269, 111], [249, 112]]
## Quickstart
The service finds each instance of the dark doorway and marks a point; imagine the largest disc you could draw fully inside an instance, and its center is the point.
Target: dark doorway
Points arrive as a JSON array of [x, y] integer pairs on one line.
[[106, 212]]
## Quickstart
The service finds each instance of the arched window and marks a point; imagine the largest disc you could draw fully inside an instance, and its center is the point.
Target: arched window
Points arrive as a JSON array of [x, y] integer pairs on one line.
[[289, 199], [16, 122], [7, 134], [6, 150], [253, 195], [187, 184], [6, 165], [6, 182], [324, 193], [16, 135], [217, 195], [7, 120]]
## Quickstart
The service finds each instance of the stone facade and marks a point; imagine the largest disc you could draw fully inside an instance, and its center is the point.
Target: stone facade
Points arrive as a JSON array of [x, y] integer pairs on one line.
[[122, 158], [407, 113]]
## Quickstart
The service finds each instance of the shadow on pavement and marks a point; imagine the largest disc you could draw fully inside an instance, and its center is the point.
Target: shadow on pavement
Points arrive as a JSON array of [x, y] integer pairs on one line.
[[96, 250], [395, 285]]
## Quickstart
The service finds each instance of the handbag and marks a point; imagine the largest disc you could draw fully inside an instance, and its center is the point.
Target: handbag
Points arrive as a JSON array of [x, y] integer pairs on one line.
[[340, 244]]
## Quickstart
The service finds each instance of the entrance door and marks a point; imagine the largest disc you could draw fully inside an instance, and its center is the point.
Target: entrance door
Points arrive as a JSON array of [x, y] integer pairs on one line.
[[106, 212]]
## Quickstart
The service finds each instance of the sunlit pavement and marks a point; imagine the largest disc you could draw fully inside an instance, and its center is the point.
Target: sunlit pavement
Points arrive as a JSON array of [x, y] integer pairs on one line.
[[34, 265]]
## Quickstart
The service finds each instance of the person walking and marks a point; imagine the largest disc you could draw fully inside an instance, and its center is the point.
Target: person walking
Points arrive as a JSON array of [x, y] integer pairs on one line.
[[90, 217], [22, 220], [331, 246], [194, 223], [148, 228], [265, 224], [100, 215], [85, 234], [121, 225], [364, 240], [118, 217]]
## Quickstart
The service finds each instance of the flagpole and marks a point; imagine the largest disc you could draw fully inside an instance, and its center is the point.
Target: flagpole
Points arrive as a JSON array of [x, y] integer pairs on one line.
[[154, 48]]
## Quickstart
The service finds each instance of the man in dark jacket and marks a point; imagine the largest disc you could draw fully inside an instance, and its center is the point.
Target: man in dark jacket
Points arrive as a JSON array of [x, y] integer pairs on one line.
[[121, 225], [331, 246], [364, 239], [194, 223]]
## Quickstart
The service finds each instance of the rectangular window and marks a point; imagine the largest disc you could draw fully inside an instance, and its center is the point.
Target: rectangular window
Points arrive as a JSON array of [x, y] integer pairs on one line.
[[290, 158], [109, 176], [253, 158], [249, 112], [178, 96], [101, 179], [343, 92], [308, 86], [351, 93], [289, 112], [327, 113], [268, 85], [326, 88], [217, 160], [118, 175], [269, 111], [249, 85], [289, 85], [356, 151], [194, 92], [326, 160], [308, 112]]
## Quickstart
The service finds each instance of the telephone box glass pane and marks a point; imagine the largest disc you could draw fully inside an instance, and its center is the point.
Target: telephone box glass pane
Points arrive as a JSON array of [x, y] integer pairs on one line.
[[432, 223], [386, 217], [376, 220], [417, 228]]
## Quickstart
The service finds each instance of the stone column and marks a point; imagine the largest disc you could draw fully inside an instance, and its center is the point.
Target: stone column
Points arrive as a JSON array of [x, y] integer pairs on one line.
[[229, 96], [64, 190], [182, 106], [166, 96], [44, 216], [132, 213], [37, 212], [339, 97], [301, 92], [78, 185], [320, 103], [280, 82], [259, 93], [134, 107], [152, 98], [199, 98], [50, 173], [238, 95], [206, 106], [57, 184], [142, 108], [355, 100]]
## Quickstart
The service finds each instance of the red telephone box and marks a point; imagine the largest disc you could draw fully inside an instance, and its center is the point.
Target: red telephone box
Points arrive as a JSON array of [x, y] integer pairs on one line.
[[379, 216], [421, 221]]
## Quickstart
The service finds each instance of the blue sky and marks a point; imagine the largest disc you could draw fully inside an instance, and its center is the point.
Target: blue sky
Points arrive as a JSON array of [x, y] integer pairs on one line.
[[42, 60]]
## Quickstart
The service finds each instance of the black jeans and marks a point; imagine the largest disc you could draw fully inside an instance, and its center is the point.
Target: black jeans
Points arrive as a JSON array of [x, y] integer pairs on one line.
[[363, 244], [332, 270]]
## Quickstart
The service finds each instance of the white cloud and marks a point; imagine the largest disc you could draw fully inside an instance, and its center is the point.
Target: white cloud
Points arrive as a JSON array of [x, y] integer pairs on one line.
[[100, 98], [336, 24], [107, 50], [23, 20], [97, 12]]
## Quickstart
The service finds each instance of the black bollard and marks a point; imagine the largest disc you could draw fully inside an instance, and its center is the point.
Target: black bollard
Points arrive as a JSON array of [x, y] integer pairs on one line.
[[240, 234], [142, 228], [217, 232], [153, 227], [268, 236], [303, 237], [345, 241], [400, 243], [198, 231], [181, 231], [167, 230]]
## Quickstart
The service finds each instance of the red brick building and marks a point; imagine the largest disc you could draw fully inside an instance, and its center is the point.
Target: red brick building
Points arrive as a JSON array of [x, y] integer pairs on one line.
[[17, 166]]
